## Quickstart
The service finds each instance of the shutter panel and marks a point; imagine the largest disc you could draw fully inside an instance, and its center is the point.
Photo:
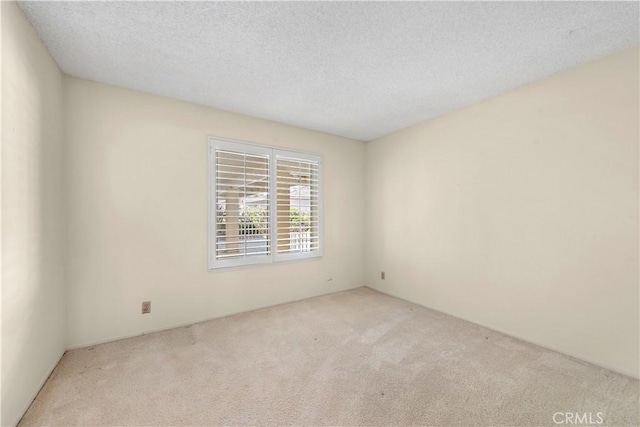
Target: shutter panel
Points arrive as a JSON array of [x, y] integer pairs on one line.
[[242, 206], [297, 206]]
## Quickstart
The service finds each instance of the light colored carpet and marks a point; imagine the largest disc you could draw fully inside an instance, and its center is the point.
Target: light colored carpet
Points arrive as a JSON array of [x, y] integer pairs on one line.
[[353, 358]]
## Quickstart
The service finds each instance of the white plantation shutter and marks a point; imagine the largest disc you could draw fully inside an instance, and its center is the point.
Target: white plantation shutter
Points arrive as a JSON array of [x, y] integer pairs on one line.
[[242, 205], [265, 204], [297, 206]]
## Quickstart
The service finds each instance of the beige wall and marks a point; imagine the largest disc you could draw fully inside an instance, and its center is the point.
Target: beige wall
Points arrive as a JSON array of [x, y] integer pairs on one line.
[[137, 206], [520, 213], [33, 294]]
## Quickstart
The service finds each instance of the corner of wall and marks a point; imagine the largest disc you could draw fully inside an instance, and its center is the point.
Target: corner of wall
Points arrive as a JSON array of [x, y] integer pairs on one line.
[[33, 216]]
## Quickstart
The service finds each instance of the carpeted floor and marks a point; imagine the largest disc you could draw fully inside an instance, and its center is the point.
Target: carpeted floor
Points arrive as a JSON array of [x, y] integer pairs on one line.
[[353, 358]]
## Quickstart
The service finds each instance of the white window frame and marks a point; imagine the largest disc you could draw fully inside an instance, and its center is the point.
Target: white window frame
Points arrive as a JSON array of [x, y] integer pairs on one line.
[[274, 153]]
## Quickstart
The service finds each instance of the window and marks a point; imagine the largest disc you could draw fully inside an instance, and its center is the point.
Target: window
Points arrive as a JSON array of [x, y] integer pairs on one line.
[[265, 204]]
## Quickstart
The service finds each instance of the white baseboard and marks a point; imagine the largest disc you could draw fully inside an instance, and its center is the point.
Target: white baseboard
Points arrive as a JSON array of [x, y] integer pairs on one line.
[[89, 344], [195, 322], [512, 335]]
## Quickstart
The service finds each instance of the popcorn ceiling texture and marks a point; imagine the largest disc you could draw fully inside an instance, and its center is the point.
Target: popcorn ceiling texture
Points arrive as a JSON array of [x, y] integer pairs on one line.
[[359, 70], [353, 358]]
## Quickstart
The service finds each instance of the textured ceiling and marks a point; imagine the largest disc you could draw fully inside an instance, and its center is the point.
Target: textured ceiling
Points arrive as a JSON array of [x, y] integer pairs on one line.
[[359, 69]]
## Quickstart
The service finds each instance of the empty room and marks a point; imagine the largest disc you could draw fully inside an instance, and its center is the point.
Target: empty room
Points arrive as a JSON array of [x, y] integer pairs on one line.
[[320, 213]]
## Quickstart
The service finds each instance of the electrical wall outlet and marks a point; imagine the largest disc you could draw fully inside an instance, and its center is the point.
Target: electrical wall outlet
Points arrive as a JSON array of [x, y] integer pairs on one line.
[[146, 307], [382, 275]]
